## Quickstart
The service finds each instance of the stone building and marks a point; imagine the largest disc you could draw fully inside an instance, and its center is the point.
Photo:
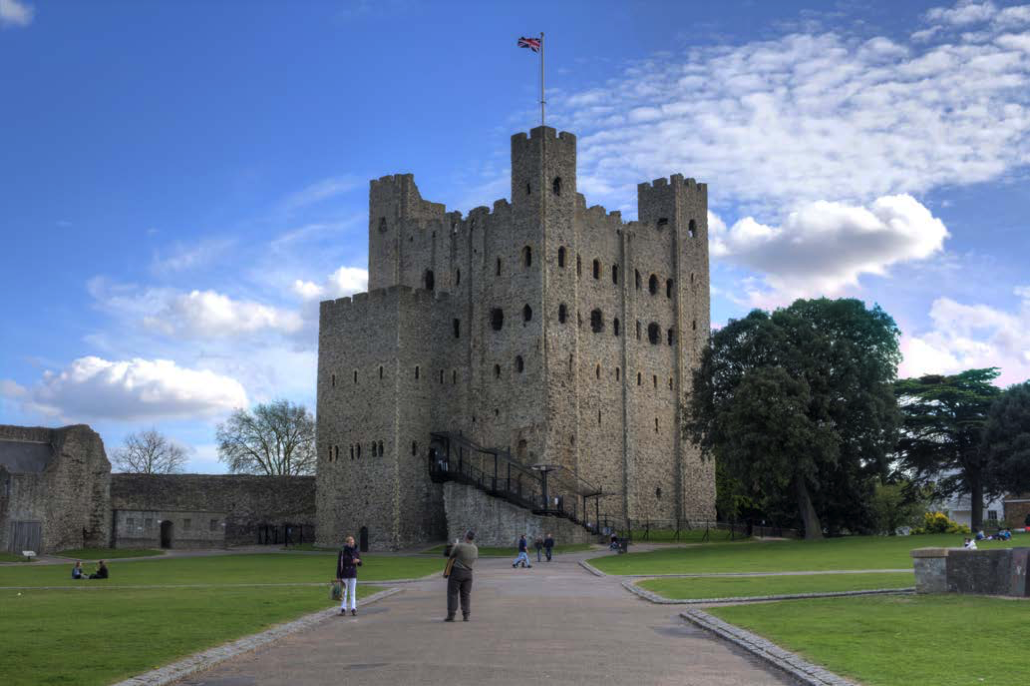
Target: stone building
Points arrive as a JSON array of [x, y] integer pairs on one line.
[[210, 511], [54, 487], [554, 331]]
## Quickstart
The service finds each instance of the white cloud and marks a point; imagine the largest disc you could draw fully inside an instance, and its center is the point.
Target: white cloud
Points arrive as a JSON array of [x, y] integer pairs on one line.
[[969, 336], [209, 314], [813, 116], [16, 13], [341, 283], [963, 13], [94, 388], [823, 248], [183, 257], [321, 190]]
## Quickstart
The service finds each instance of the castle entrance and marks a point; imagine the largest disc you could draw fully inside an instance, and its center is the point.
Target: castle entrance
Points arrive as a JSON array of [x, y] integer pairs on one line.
[[166, 533], [363, 540]]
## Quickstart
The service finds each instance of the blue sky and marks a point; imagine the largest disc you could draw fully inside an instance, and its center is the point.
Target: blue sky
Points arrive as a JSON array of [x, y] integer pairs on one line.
[[180, 183]]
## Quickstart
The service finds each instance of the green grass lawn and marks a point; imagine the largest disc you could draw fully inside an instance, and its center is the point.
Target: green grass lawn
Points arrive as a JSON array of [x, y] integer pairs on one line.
[[944, 640], [225, 569], [512, 551], [108, 553], [685, 536], [311, 548], [744, 587], [67, 637], [852, 552], [11, 557]]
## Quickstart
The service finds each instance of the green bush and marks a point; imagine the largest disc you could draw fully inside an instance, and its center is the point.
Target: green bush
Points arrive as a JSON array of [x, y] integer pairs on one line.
[[939, 523]]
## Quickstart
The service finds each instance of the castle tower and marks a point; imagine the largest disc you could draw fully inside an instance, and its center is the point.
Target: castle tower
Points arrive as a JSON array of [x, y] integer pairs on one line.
[[541, 326]]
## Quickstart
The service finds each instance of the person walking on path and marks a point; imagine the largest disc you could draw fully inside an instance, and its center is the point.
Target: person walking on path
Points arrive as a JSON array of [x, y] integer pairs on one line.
[[347, 563], [538, 543], [459, 583], [523, 556], [549, 546]]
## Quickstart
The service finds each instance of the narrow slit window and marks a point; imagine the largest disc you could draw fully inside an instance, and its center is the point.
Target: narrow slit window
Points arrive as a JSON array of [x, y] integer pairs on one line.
[[556, 186], [498, 266], [519, 364], [579, 266], [497, 371], [457, 277], [636, 278], [652, 284], [562, 313], [615, 274], [429, 280], [597, 371], [496, 319], [418, 372], [615, 326], [527, 256], [457, 328], [355, 376], [662, 222], [692, 229], [668, 288], [561, 257], [527, 313], [672, 336], [597, 269], [596, 321]]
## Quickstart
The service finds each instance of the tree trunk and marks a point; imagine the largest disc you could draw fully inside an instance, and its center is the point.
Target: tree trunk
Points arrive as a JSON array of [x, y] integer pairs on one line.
[[813, 527], [976, 502]]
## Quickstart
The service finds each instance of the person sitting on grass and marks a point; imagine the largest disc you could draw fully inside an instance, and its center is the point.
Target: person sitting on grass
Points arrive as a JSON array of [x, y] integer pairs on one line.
[[77, 572], [969, 544], [614, 545], [101, 572]]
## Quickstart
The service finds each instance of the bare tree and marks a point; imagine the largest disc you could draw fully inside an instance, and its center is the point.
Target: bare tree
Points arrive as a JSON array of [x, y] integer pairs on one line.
[[149, 452], [277, 439]]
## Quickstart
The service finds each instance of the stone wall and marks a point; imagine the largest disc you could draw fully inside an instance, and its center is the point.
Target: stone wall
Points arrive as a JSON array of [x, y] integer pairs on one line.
[[69, 497], [1000, 571], [207, 510], [499, 523], [1017, 509]]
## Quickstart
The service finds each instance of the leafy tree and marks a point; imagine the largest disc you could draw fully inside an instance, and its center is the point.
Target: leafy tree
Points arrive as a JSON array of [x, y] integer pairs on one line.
[[800, 402], [942, 439], [1007, 441], [149, 452], [277, 439], [897, 505]]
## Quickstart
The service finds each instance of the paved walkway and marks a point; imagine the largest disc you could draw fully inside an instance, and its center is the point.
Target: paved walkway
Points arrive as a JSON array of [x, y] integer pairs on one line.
[[555, 622]]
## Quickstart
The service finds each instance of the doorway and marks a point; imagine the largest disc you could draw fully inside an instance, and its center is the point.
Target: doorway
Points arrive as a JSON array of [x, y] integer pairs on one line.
[[363, 540], [166, 533]]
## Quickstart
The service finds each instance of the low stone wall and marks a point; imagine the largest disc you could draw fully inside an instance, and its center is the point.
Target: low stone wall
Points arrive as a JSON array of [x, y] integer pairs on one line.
[[208, 511], [1001, 571], [499, 523]]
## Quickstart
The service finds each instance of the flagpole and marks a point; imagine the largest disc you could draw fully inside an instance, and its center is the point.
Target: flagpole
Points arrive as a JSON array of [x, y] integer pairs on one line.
[[542, 101]]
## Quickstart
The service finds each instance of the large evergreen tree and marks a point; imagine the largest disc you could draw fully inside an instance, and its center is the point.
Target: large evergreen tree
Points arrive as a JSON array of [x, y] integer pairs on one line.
[[1007, 441], [800, 402], [942, 439]]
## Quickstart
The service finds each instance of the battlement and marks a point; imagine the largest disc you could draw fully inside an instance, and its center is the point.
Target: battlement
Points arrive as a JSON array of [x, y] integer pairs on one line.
[[674, 181], [378, 297], [543, 133]]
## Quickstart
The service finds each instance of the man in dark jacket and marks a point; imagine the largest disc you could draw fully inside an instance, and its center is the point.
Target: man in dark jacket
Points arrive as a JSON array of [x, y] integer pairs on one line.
[[459, 583], [548, 546], [101, 572], [347, 563], [523, 557]]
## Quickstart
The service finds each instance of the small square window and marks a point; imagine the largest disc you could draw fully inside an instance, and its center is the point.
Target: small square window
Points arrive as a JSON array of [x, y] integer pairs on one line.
[[186, 523], [130, 522], [147, 523], [214, 525]]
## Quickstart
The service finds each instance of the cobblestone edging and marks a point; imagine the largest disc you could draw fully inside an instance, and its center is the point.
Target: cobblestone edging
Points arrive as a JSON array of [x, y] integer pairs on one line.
[[661, 600], [802, 670], [209, 658], [591, 568]]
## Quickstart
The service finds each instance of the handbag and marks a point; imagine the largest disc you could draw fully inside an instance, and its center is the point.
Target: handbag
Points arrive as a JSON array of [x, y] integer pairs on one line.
[[336, 591], [448, 567]]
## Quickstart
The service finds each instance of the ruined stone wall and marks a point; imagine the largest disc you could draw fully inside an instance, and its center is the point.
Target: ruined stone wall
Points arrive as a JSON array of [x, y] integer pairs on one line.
[[70, 497], [237, 504]]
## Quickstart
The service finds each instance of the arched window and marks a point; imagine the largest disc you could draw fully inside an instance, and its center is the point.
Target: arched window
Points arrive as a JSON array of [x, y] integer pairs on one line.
[[692, 229], [498, 272], [527, 313], [596, 321], [615, 273], [561, 257], [497, 371], [557, 185], [497, 319], [615, 326], [429, 280], [668, 288], [527, 256], [652, 284], [654, 333], [519, 364], [562, 313], [456, 324], [636, 278], [597, 269]]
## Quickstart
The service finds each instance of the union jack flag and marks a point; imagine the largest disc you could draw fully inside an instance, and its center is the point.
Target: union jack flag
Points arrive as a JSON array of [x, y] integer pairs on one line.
[[531, 43]]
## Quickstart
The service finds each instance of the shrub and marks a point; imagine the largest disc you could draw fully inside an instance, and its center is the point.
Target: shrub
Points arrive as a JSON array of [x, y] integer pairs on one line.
[[939, 523]]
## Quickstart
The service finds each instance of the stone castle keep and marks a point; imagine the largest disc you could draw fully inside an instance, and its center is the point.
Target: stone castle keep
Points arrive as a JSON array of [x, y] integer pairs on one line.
[[545, 328]]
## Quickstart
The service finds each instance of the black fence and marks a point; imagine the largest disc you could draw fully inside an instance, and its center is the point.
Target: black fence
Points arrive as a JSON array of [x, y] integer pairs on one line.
[[283, 534]]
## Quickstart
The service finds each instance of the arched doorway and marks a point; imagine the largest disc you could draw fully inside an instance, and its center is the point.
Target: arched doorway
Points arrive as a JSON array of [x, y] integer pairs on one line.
[[166, 533], [363, 540]]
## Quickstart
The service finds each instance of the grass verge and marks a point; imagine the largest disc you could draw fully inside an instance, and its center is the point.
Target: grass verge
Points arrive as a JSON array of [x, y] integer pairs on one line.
[[686, 536], [510, 551], [274, 568], [852, 552], [12, 557], [108, 553], [945, 640], [65, 637], [749, 587]]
